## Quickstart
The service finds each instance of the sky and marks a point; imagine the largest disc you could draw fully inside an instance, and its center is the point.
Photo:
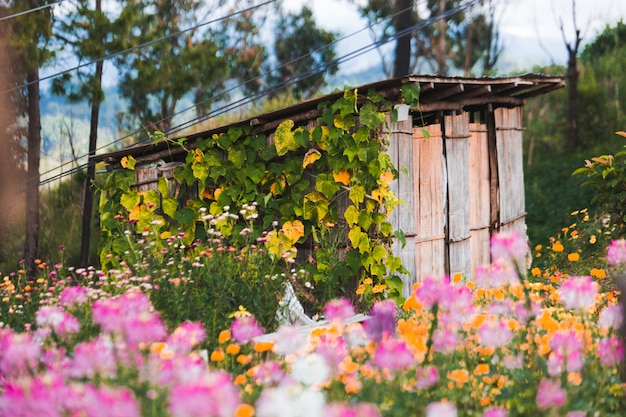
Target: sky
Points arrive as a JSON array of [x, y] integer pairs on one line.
[[530, 29]]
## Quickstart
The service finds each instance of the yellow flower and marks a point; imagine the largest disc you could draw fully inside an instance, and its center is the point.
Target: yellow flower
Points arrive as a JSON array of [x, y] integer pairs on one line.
[[379, 288], [557, 247], [367, 281], [593, 239], [360, 290], [573, 257]]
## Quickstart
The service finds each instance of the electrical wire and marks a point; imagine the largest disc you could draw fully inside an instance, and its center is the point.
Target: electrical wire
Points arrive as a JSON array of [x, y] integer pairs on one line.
[[143, 45], [34, 9], [299, 77]]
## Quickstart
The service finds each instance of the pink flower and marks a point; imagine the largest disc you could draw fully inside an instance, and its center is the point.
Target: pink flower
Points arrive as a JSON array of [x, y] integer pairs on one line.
[[185, 337], [351, 410], [28, 397], [578, 293], [91, 358], [431, 291], [441, 409], [393, 355], [550, 394], [566, 354], [339, 309], [245, 328], [445, 340], [616, 252], [19, 353], [269, 373], [611, 317], [105, 401], [576, 414], [495, 412], [213, 396], [510, 246], [73, 295], [495, 333], [382, 321], [427, 376], [610, 351], [332, 349], [57, 319]]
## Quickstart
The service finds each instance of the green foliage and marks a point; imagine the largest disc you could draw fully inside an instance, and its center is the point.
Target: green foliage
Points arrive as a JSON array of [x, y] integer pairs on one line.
[[606, 175], [300, 182]]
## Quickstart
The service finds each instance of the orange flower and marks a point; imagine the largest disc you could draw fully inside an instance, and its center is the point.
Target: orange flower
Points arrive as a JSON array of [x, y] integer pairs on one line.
[[240, 380], [558, 247], [547, 322], [244, 359], [233, 349], [411, 303], [244, 410], [536, 272], [263, 347], [224, 336], [217, 356], [459, 376], [573, 257], [598, 273], [481, 369]]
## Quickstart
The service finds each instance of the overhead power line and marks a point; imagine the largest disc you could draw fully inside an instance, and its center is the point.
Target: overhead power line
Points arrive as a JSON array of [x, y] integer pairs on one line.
[[34, 9], [143, 45], [298, 77]]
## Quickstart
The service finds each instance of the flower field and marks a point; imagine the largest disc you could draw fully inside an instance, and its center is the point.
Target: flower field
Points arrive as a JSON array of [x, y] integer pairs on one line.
[[118, 343]]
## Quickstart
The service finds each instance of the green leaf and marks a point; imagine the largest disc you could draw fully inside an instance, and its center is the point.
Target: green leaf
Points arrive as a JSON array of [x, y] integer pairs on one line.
[[184, 215], [284, 138], [153, 198], [393, 262], [355, 235], [386, 229], [379, 253], [371, 117], [326, 185], [357, 194], [361, 135], [411, 94], [163, 186], [365, 219], [169, 206], [130, 200], [351, 215], [237, 156], [378, 270], [200, 170], [399, 234]]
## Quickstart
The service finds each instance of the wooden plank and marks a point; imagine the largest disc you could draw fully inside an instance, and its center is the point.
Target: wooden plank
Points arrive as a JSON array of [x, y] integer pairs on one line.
[[430, 194], [403, 217], [457, 162], [510, 163], [479, 192]]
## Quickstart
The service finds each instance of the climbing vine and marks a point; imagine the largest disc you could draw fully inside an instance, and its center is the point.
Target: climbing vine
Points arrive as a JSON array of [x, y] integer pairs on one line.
[[328, 188]]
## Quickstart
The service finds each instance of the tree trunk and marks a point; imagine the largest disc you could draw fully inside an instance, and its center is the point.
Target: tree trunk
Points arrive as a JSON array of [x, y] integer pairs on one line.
[[572, 97], [31, 244], [96, 100], [442, 53], [402, 62]]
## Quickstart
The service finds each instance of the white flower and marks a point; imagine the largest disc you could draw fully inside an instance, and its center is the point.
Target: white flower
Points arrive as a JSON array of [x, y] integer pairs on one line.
[[290, 401], [310, 370]]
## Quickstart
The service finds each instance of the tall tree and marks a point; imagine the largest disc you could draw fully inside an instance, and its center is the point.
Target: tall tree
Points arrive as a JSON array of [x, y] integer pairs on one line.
[[457, 43], [303, 52], [30, 37], [85, 30], [572, 76], [154, 78]]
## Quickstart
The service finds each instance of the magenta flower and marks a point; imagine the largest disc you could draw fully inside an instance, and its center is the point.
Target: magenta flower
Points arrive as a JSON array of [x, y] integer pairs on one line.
[[105, 401], [28, 397], [338, 309], [431, 291], [550, 394], [95, 357], [610, 351], [213, 396], [427, 376], [393, 355], [510, 246], [445, 340], [245, 328], [269, 373], [73, 295], [616, 252], [578, 293], [495, 412], [441, 409], [382, 321], [332, 349]]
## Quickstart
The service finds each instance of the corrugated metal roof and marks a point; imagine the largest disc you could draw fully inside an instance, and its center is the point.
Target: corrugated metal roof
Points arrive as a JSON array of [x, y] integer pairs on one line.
[[437, 93]]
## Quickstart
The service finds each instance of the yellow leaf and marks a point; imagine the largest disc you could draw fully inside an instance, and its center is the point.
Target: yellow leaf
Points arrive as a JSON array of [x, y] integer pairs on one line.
[[293, 230], [199, 155], [342, 176], [165, 235], [128, 162], [386, 177], [621, 133], [379, 194], [217, 193], [310, 157]]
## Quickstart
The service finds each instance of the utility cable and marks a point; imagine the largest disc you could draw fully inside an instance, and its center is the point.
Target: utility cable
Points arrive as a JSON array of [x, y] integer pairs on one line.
[[34, 9]]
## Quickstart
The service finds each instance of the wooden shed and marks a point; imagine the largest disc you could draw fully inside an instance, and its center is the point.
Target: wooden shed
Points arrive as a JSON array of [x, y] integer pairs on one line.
[[459, 154]]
